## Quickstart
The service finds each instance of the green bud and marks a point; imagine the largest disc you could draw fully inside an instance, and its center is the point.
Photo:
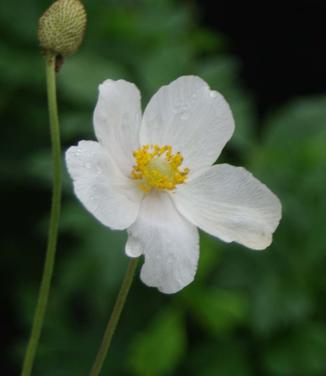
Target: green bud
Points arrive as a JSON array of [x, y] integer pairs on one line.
[[62, 26]]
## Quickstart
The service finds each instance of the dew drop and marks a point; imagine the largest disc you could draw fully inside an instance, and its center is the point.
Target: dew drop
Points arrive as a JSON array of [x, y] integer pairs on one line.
[[169, 262], [182, 110], [184, 115], [213, 94], [180, 107], [98, 170]]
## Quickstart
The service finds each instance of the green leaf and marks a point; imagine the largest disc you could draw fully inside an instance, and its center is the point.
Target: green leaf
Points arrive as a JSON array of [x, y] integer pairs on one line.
[[218, 311], [157, 350], [224, 357], [210, 255], [300, 353], [81, 75]]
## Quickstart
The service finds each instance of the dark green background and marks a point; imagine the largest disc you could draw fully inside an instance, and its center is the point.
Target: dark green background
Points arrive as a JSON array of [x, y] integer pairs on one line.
[[247, 313]]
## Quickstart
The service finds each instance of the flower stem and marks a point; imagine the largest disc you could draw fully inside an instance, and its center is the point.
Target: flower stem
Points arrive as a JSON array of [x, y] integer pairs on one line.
[[114, 319], [54, 219]]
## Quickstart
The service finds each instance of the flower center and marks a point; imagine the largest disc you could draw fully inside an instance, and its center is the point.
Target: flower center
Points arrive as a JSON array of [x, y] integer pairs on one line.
[[156, 167]]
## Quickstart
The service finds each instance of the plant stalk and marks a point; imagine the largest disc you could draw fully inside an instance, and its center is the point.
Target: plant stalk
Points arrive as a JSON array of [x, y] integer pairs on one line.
[[114, 319], [54, 220]]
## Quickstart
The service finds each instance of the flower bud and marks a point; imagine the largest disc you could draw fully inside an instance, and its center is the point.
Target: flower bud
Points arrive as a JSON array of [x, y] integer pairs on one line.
[[61, 27]]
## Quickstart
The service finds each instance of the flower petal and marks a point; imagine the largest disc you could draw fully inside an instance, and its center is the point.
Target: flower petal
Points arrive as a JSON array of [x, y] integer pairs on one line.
[[168, 241], [190, 117], [230, 203], [101, 187], [117, 119]]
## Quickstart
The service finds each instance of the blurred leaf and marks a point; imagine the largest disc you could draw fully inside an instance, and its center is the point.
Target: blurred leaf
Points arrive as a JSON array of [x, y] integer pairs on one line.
[[218, 311], [278, 303], [294, 143], [152, 74], [158, 349], [81, 75], [300, 353], [77, 125], [208, 41], [20, 17], [210, 254], [292, 163], [221, 71], [21, 67], [219, 358]]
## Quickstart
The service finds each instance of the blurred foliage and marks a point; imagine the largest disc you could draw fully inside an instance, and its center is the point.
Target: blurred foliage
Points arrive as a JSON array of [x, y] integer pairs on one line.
[[247, 313]]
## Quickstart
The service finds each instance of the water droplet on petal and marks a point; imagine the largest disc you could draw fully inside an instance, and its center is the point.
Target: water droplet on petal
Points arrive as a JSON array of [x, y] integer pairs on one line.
[[182, 110], [98, 170], [184, 115], [180, 107], [169, 262], [213, 94]]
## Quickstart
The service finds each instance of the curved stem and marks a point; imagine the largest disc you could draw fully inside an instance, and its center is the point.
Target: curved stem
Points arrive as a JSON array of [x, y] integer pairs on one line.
[[114, 319], [54, 219]]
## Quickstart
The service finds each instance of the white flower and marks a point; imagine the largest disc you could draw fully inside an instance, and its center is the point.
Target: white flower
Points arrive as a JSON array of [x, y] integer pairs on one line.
[[154, 176]]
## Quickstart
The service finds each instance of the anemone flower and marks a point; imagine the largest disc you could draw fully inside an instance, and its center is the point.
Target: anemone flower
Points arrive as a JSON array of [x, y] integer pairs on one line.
[[153, 174]]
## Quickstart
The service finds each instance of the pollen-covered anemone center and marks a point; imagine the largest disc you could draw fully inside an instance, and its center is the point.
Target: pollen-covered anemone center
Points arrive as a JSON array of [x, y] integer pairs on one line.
[[156, 167]]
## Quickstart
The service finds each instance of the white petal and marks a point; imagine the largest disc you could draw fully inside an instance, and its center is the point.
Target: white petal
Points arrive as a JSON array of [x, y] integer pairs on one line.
[[230, 203], [168, 241], [101, 187], [133, 247], [117, 118], [190, 117]]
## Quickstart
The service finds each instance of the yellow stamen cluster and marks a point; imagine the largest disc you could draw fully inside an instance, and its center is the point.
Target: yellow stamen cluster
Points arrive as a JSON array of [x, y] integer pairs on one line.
[[158, 168]]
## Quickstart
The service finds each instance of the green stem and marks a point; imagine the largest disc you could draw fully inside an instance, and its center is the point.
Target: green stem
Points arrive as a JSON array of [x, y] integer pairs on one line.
[[114, 319], [54, 219]]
